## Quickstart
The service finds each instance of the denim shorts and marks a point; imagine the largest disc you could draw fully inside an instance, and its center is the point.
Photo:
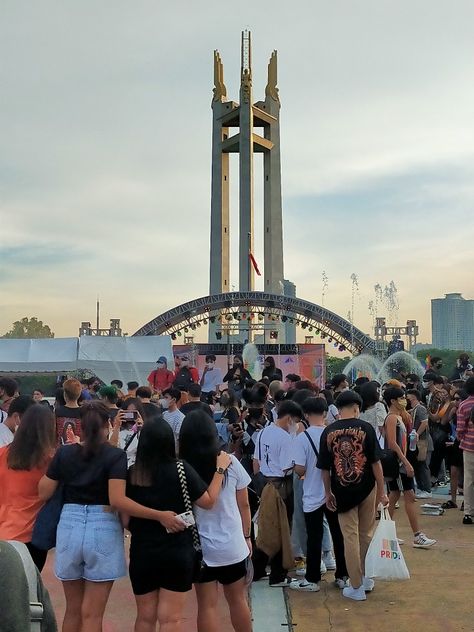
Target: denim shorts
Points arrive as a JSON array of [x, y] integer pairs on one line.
[[89, 544]]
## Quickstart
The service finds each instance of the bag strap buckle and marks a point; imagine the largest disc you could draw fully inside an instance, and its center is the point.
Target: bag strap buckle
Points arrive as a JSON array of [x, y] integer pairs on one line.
[[36, 611]]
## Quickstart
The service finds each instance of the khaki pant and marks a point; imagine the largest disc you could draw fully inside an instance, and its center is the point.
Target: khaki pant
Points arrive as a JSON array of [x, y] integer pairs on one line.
[[468, 458], [358, 526]]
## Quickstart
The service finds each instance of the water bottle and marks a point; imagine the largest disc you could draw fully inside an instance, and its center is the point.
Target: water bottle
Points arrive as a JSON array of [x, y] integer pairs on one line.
[[413, 440]]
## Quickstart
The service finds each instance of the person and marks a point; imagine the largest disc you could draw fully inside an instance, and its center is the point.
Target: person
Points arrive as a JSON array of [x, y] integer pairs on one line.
[[195, 401], [291, 380], [435, 364], [131, 390], [16, 411], [463, 368], [171, 413], [91, 387], [211, 378], [185, 374], [465, 434], [144, 394], [224, 529], [373, 411], [72, 390], [273, 457], [237, 376], [333, 412], [89, 545], [349, 456], [229, 420], [270, 370], [109, 395], [396, 439], [424, 445], [339, 383], [126, 429], [454, 454], [8, 391], [306, 451], [162, 562], [38, 397], [438, 404], [22, 465], [161, 378]]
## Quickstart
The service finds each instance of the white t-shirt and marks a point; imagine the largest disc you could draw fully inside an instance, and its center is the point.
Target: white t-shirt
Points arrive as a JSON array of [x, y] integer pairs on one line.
[[212, 380], [175, 419], [332, 414], [124, 436], [274, 451], [220, 528], [313, 486], [6, 435]]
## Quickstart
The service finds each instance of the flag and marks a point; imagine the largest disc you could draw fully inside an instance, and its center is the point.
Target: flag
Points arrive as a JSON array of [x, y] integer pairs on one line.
[[254, 263]]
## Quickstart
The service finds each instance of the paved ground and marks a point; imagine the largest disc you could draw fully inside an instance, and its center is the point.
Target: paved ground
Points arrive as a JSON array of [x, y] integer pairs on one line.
[[438, 598]]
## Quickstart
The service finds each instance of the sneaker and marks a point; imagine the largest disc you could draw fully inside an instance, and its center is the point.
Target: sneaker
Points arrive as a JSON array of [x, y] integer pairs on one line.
[[329, 561], [304, 586], [400, 541], [283, 584], [357, 594], [341, 582], [467, 520], [322, 568], [423, 542], [422, 494], [368, 584], [397, 505], [300, 566]]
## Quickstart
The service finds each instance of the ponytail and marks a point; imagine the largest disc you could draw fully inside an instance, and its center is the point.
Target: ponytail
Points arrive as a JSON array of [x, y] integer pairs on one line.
[[94, 418]]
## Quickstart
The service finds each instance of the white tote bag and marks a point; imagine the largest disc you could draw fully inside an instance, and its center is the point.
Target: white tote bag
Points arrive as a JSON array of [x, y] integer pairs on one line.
[[384, 558]]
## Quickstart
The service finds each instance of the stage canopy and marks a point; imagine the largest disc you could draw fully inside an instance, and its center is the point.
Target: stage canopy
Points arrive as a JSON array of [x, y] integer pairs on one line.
[[126, 359]]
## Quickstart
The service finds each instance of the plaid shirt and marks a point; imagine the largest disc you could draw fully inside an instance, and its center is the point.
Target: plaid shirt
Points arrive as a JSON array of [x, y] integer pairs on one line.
[[464, 428]]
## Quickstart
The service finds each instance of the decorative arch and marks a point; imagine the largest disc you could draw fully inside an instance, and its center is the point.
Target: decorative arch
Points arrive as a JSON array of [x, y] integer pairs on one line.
[[254, 307]]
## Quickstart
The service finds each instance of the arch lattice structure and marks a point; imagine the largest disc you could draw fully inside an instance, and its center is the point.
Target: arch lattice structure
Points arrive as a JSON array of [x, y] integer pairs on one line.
[[254, 307]]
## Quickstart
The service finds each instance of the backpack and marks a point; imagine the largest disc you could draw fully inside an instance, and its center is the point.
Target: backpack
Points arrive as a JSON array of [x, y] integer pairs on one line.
[[183, 380], [36, 607]]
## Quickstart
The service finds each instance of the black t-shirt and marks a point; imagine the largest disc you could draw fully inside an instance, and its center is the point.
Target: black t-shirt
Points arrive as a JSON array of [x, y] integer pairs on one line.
[[190, 406], [66, 416], [164, 494], [348, 449], [86, 482]]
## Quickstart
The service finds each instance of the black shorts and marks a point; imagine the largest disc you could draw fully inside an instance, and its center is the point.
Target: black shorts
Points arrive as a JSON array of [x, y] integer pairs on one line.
[[402, 483], [454, 457], [152, 568], [223, 574]]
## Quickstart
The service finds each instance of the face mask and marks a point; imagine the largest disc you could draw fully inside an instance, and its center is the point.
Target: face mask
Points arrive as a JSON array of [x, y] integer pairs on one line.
[[210, 365], [164, 403], [160, 365]]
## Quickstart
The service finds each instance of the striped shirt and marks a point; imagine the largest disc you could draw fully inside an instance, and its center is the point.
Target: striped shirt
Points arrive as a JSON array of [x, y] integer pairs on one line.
[[464, 428]]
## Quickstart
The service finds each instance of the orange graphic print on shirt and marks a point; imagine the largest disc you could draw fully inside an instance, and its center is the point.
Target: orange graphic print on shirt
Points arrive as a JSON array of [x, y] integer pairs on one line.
[[347, 447]]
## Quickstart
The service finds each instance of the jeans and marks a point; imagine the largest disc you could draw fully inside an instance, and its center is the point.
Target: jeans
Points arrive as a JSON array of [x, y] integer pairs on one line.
[[422, 474], [298, 529], [314, 527]]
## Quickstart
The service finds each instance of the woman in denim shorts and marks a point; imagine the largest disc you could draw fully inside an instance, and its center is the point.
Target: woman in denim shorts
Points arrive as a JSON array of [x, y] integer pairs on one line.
[[89, 544]]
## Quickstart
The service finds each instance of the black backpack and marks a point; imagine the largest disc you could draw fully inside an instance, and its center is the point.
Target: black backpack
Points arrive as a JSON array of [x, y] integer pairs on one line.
[[183, 380]]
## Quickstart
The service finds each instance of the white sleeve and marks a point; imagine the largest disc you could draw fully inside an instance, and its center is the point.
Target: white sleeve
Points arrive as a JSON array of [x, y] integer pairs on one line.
[[286, 453], [256, 437], [243, 479], [299, 452]]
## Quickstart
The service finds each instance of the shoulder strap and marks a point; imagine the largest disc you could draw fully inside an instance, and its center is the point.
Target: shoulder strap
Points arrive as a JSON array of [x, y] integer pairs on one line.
[[129, 440], [36, 607], [188, 505], [312, 443], [260, 444]]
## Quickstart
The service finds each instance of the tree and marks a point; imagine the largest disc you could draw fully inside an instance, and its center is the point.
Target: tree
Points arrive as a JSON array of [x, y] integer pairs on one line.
[[335, 365], [29, 328]]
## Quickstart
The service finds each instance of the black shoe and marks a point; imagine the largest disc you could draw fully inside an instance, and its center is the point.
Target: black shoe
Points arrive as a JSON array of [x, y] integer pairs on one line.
[[467, 520]]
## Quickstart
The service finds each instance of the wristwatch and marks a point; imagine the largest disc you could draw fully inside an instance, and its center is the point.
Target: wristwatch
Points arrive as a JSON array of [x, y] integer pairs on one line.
[[220, 470]]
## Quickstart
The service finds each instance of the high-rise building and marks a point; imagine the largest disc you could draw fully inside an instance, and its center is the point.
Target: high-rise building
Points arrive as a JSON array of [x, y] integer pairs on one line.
[[452, 322]]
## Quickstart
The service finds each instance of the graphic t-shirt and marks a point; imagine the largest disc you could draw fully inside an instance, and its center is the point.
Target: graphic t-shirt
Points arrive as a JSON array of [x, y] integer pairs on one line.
[[313, 487], [86, 482], [67, 416], [6, 435], [348, 449], [220, 528], [274, 451]]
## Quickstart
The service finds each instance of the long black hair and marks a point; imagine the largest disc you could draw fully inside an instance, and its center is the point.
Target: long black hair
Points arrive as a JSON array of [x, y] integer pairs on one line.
[[198, 443], [156, 446], [94, 419], [35, 439]]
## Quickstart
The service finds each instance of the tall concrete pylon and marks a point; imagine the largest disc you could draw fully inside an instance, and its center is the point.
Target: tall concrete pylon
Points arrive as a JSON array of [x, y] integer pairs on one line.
[[246, 116]]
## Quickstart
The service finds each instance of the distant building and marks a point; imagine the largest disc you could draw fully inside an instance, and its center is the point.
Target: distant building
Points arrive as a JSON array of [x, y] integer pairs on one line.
[[289, 289], [452, 322]]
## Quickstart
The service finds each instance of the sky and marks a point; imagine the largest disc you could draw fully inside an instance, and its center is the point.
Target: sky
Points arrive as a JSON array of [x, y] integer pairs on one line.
[[105, 127]]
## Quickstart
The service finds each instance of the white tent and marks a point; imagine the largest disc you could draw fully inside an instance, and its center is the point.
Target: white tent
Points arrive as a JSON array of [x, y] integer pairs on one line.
[[127, 358]]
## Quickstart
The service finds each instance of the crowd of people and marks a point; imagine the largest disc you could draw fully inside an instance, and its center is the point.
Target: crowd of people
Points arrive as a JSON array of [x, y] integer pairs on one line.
[[220, 478]]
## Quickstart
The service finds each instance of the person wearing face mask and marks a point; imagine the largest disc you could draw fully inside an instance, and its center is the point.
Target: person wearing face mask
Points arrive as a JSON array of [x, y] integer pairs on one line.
[[8, 428], [237, 375], [273, 458], [396, 439], [161, 378], [211, 378], [185, 375]]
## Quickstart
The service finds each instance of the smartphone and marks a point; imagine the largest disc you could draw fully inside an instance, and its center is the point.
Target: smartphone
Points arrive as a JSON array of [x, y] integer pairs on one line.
[[188, 518], [130, 415]]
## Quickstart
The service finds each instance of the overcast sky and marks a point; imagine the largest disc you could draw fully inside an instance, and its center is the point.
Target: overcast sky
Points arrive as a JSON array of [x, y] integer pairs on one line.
[[105, 128]]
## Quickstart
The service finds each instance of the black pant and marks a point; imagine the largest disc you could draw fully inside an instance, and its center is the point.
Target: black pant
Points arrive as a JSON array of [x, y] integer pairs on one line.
[[439, 453], [259, 558], [314, 530], [37, 555]]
